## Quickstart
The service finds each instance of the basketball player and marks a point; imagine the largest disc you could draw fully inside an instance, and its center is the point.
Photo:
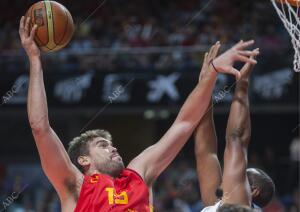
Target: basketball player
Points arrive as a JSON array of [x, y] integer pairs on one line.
[[240, 186], [92, 178]]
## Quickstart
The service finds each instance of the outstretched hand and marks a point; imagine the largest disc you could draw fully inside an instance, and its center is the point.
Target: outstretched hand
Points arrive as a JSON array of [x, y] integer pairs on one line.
[[209, 56], [224, 63], [27, 37], [247, 69]]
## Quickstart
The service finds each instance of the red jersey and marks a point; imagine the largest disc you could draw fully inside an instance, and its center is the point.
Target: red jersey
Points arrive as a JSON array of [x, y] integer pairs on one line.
[[102, 193]]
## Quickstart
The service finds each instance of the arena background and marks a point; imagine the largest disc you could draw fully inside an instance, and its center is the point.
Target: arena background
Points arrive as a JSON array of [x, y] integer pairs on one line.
[[128, 69]]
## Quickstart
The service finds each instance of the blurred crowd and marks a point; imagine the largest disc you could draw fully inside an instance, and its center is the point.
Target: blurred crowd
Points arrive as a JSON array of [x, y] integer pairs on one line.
[[104, 28], [177, 189]]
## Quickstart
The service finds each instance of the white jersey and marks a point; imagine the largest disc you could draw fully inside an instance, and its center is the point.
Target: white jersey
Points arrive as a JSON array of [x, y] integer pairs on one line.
[[215, 207]]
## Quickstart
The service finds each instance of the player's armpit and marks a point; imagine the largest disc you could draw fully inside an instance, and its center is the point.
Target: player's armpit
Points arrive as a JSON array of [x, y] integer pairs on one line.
[[152, 161]]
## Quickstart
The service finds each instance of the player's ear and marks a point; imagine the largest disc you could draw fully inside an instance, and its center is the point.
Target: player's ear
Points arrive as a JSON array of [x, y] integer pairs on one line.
[[255, 191], [84, 160]]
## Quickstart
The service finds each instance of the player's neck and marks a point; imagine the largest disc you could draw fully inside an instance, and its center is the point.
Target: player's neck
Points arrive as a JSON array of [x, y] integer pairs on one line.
[[92, 172]]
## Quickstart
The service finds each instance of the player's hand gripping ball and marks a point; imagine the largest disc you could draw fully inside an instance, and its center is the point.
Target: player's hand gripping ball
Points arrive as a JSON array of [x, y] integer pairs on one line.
[[55, 25]]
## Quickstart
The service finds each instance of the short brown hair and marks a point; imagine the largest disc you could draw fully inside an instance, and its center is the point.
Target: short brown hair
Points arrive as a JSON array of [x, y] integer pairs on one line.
[[79, 145]]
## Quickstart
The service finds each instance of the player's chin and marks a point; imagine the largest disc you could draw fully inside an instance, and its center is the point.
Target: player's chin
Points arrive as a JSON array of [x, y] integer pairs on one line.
[[117, 159], [115, 169], [118, 166]]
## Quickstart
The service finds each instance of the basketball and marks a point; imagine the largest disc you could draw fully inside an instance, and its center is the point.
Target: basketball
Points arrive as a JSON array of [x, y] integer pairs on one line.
[[295, 3], [55, 25]]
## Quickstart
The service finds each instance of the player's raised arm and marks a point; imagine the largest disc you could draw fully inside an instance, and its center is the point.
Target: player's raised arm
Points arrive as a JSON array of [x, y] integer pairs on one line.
[[150, 163], [235, 184], [55, 160], [208, 166]]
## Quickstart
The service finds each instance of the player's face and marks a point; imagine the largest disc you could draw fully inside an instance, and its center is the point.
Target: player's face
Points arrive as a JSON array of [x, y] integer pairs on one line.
[[104, 157]]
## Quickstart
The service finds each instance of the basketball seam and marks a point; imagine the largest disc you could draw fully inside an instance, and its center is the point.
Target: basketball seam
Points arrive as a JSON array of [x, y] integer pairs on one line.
[[30, 13], [46, 48], [45, 9], [53, 19], [31, 19], [66, 26], [48, 25]]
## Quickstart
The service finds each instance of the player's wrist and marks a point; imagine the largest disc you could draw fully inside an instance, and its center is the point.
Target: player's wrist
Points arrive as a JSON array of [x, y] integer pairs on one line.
[[213, 67], [212, 72], [34, 59], [207, 76], [34, 56]]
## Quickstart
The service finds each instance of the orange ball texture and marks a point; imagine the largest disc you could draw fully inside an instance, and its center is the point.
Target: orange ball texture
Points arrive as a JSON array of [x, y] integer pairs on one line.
[[55, 25]]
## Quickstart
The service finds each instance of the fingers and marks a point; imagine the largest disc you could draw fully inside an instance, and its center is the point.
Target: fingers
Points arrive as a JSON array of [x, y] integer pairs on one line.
[[205, 58], [247, 67], [216, 50], [245, 59], [236, 46], [233, 71], [22, 20], [33, 32], [26, 27], [243, 45], [243, 56], [236, 73], [246, 44], [255, 52], [21, 27], [211, 51], [251, 64]]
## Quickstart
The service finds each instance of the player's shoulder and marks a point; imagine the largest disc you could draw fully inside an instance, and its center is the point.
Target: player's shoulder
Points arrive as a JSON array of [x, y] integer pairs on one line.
[[212, 208], [215, 207], [127, 172], [131, 178], [256, 208]]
